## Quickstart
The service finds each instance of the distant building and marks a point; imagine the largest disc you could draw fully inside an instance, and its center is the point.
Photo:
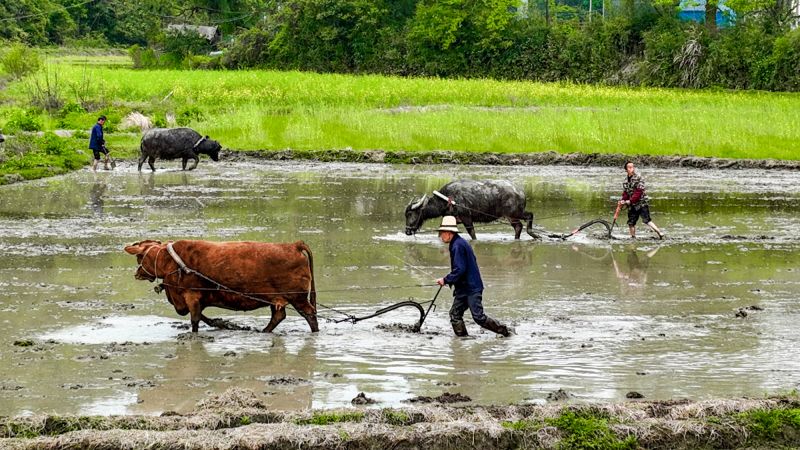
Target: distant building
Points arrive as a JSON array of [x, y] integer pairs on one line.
[[212, 34], [696, 10]]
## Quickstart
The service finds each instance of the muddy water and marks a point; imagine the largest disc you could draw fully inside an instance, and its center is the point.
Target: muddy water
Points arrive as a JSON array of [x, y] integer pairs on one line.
[[595, 317]]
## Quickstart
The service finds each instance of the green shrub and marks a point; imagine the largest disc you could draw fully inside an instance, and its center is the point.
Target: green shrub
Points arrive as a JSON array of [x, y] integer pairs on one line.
[[739, 58], [786, 62], [24, 120], [189, 115], [20, 60]]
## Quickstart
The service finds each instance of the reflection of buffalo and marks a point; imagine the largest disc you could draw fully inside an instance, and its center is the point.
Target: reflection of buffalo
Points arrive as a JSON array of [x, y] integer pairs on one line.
[[239, 276], [474, 201], [173, 143]]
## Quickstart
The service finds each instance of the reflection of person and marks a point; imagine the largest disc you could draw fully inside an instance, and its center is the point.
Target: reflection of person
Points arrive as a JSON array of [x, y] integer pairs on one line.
[[635, 198], [465, 277], [96, 194], [97, 144], [636, 275]]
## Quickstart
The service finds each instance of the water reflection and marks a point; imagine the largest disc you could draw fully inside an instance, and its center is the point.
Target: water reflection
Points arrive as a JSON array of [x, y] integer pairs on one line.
[[632, 275], [96, 196]]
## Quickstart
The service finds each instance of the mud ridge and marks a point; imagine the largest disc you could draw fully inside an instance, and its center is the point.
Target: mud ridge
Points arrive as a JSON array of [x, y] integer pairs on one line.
[[238, 420], [512, 159]]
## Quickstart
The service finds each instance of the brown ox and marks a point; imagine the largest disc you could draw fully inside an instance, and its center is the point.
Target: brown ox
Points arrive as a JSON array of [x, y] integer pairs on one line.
[[241, 276]]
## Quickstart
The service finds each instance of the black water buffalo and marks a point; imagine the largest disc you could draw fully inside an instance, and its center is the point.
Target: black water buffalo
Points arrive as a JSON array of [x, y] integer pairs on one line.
[[173, 143], [474, 201]]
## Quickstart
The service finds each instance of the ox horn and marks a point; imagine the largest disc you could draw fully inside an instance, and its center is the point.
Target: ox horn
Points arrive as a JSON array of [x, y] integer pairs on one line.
[[419, 202]]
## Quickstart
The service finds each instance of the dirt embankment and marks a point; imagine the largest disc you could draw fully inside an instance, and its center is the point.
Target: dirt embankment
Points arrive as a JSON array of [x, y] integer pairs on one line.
[[238, 420], [514, 159]]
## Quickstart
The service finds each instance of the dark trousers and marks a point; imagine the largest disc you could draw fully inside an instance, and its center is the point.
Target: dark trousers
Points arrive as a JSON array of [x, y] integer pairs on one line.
[[473, 302]]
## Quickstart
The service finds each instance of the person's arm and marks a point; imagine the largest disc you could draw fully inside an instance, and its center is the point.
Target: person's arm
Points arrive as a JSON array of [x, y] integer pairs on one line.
[[459, 265], [637, 195]]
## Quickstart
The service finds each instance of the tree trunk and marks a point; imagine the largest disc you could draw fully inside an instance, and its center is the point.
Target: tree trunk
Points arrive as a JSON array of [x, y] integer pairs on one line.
[[629, 6], [711, 14]]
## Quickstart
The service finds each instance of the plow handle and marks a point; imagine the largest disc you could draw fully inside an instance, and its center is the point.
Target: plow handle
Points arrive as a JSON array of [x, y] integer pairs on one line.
[[616, 215]]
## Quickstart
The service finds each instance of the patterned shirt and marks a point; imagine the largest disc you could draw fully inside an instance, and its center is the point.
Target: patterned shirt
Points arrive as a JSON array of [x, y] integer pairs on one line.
[[634, 190]]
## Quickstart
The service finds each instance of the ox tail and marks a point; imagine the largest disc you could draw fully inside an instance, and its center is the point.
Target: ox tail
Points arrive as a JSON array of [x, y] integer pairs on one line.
[[302, 246]]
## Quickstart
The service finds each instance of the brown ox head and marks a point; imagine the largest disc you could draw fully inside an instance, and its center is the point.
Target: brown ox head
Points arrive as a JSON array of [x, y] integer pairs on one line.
[[146, 253]]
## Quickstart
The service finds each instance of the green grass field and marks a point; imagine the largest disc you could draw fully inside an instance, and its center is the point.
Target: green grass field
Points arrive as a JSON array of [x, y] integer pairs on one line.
[[252, 110]]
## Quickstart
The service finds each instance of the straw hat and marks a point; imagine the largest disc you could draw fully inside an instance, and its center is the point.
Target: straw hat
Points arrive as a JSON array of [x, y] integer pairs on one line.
[[448, 224]]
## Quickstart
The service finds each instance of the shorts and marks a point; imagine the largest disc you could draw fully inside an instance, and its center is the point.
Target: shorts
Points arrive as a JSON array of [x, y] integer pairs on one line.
[[634, 214], [97, 152]]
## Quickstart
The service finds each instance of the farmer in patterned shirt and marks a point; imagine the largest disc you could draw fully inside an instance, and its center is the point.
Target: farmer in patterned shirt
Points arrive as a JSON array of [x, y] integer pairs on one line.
[[635, 198]]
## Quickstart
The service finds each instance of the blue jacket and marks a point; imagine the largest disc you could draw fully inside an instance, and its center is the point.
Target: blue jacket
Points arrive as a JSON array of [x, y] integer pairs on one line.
[[464, 273], [96, 140]]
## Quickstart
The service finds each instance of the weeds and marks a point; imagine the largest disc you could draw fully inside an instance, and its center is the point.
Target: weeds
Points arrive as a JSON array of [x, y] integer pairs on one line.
[[768, 424], [588, 431], [327, 418]]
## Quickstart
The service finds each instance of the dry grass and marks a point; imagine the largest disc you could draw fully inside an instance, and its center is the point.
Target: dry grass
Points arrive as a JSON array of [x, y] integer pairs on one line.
[[237, 419]]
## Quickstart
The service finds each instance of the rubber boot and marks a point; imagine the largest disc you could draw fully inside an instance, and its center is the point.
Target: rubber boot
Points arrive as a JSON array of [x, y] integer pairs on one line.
[[497, 327], [459, 328]]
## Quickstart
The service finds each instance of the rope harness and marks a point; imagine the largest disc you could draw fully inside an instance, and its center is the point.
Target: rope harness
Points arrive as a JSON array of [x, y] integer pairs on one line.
[[451, 203], [183, 268]]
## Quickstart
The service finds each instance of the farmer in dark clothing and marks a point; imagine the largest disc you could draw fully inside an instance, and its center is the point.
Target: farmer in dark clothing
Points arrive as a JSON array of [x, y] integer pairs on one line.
[[97, 144], [465, 277], [635, 198]]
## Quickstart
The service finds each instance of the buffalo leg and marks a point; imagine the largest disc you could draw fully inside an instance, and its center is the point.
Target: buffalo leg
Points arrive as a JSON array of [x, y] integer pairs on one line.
[[528, 218], [517, 227], [141, 161], [278, 314], [150, 161], [196, 160], [467, 221], [185, 159]]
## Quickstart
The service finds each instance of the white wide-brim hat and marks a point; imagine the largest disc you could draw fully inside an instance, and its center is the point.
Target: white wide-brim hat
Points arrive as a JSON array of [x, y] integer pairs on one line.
[[448, 224]]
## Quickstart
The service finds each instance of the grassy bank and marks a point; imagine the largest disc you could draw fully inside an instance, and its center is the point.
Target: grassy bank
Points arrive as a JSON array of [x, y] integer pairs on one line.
[[262, 110], [237, 419]]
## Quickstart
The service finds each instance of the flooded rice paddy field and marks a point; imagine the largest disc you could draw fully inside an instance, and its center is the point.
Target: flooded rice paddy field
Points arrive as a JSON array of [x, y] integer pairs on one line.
[[710, 312]]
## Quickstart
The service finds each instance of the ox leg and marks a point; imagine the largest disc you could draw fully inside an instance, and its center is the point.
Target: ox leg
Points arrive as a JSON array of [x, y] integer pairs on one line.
[[192, 299], [150, 161], [185, 159], [141, 161], [309, 312], [278, 314]]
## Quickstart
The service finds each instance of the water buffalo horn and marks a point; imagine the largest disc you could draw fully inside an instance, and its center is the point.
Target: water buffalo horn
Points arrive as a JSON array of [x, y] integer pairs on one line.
[[419, 202]]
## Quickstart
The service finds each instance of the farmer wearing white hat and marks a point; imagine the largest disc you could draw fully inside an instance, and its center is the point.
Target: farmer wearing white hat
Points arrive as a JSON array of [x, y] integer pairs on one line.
[[465, 277]]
